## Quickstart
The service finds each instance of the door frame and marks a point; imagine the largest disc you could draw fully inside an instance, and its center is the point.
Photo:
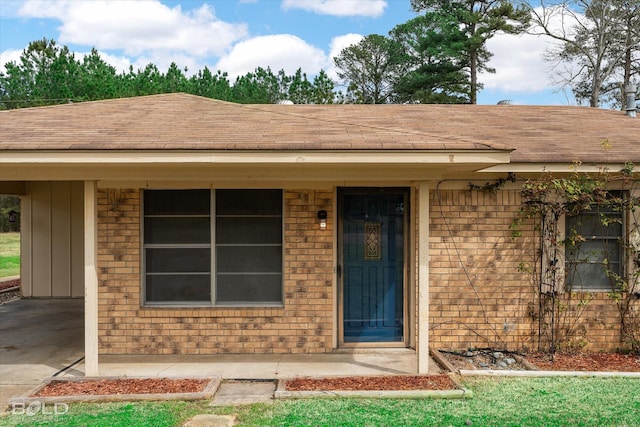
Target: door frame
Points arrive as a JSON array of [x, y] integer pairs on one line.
[[406, 192]]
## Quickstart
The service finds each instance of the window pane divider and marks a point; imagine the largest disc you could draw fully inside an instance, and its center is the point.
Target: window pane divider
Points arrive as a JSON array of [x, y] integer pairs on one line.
[[178, 216], [180, 273], [248, 216], [255, 273], [247, 245], [177, 246]]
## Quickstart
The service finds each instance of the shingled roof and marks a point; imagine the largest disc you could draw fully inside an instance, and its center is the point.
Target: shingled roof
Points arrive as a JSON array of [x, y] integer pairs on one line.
[[178, 121]]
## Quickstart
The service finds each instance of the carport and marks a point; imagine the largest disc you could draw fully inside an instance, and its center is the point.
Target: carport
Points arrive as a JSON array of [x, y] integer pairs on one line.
[[44, 333], [39, 338]]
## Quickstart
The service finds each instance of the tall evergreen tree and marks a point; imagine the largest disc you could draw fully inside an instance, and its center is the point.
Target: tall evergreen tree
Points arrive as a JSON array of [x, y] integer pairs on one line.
[[205, 83], [98, 79], [44, 74], [47, 73], [433, 48], [370, 69], [323, 90], [479, 21]]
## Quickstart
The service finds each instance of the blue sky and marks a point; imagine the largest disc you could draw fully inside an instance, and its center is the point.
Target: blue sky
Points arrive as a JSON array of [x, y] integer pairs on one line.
[[237, 36]]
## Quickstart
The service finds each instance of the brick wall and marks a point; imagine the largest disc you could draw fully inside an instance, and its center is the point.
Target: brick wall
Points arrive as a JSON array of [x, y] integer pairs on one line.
[[304, 325], [478, 296]]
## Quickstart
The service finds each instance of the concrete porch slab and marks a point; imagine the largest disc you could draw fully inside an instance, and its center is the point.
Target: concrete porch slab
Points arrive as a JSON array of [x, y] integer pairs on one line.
[[263, 366]]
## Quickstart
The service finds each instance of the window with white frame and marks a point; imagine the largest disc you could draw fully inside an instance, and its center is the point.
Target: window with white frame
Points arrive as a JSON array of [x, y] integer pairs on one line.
[[596, 252], [203, 247]]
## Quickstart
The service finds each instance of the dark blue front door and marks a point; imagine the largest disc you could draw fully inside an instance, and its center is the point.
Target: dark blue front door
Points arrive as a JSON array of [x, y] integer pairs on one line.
[[373, 254]]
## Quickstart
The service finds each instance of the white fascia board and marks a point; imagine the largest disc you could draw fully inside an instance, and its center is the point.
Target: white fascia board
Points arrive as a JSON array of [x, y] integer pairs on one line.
[[254, 157]]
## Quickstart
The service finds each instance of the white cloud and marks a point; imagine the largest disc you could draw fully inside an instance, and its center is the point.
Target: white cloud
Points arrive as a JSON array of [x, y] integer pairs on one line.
[[120, 63], [369, 8], [8, 56], [282, 51], [340, 42], [139, 27], [519, 60], [519, 64]]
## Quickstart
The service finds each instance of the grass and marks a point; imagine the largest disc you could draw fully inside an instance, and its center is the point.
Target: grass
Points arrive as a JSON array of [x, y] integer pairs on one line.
[[497, 402], [147, 414], [9, 254]]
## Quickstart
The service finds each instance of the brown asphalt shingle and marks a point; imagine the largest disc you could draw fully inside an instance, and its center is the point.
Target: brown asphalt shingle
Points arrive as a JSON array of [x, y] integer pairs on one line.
[[186, 122]]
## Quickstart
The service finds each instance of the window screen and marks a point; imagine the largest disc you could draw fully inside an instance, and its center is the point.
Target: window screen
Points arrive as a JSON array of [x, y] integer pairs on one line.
[[177, 246], [588, 261], [248, 246], [246, 226]]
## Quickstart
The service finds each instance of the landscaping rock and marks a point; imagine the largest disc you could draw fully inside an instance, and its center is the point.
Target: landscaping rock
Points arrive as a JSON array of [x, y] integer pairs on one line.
[[484, 359], [10, 296]]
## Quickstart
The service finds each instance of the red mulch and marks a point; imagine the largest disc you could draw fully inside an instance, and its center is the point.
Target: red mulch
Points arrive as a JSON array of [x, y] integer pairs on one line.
[[608, 362], [122, 386], [9, 284], [393, 382]]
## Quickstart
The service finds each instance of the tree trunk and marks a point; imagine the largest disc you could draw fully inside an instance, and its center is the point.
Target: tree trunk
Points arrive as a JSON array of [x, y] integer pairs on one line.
[[627, 64], [473, 74]]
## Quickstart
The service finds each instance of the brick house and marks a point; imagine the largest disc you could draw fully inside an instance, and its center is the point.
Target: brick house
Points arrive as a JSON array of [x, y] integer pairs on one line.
[[196, 226]]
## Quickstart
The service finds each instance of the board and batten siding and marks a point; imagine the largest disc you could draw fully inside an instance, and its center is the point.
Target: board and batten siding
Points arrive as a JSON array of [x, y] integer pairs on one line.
[[52, 257]]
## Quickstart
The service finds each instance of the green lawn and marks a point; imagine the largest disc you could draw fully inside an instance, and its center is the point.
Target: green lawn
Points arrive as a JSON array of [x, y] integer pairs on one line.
[[497, 402], [9, 254]]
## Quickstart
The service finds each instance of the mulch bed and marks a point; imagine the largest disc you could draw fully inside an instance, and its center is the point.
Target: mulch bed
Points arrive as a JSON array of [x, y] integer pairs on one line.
[[607, 362], [393, 382], [9, 284], [580, 362], [122, 386]]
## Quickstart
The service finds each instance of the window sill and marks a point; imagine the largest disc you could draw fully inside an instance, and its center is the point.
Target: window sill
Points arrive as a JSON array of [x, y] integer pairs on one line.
[[209, 310], [590, 291]]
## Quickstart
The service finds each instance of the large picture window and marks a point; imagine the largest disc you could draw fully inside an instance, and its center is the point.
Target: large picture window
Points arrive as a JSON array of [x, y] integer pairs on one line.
[[597, 252], [222, 247]]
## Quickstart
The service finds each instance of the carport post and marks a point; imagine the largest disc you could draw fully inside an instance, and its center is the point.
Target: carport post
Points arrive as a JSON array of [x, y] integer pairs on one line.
[[423, 278], [90, 280]]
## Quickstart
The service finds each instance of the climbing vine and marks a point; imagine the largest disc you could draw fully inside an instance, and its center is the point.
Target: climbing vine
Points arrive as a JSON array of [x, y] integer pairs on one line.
[[554, 206], [492, 187]]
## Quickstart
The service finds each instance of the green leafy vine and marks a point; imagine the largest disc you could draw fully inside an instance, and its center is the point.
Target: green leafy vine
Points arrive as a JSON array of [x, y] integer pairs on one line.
[[561, 303]]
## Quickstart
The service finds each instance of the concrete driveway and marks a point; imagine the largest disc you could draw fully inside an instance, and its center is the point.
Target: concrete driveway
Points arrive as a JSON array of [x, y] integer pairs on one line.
[[38, 338]]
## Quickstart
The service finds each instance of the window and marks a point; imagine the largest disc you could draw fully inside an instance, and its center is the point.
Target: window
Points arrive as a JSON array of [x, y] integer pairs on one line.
[[588, 261], [241, 238], [248, 246]]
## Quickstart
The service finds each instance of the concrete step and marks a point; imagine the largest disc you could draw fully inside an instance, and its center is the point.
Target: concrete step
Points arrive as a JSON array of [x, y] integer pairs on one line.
[[244, 392]]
